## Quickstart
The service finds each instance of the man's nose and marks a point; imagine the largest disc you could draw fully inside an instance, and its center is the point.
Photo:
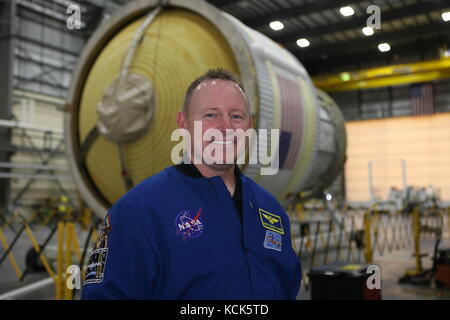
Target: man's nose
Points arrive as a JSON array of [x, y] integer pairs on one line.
[[225, 123]]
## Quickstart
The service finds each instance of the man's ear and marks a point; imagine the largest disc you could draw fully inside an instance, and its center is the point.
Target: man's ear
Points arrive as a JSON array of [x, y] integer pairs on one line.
[[181, 120]]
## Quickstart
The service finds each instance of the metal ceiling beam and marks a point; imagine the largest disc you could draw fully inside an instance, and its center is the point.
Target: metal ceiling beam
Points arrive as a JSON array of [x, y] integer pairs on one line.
[[19, 55], [391, 75], [41, 10], [224, 3], [353, 61], [16, 149], [303, 9], [48, 23], [66, 3], [47, 45], [386, 16], [331, 49], [109, 6], [30, 127], [36, 80], [88, 20]]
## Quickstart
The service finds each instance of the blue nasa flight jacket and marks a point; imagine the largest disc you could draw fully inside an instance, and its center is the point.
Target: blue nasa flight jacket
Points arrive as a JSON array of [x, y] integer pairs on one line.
[[178, 237]]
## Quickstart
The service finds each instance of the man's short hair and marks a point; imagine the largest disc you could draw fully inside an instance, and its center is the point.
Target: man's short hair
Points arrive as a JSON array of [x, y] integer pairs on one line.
[[212, 74]]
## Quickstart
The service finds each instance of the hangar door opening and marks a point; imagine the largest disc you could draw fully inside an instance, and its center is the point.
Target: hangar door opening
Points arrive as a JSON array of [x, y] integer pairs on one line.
[[395, 151]]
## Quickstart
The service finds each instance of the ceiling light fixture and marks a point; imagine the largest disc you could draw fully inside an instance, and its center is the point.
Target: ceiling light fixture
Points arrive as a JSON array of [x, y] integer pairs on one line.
[[446, 16], [276, 25], [303, 43], [384, 47], [347, 11], [368, 31]]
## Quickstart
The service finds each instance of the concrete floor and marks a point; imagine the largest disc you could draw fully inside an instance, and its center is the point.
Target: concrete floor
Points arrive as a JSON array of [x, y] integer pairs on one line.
[[392, 265]]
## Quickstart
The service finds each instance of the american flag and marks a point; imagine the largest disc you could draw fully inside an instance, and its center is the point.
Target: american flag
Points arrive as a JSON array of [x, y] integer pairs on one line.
[[291, 119], [422, 101]]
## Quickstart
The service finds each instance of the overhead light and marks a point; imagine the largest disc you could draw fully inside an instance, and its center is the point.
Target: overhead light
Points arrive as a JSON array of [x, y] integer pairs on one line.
[[446, 16], [368, 31], [303, 43], [276, 25], [384, 47], [347, 11]]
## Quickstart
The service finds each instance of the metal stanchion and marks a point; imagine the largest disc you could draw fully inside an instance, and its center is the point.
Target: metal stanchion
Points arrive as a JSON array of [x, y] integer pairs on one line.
[[341, 231], [313, 254], [327, 246], [416, 232], [368, 254], [59, 279], [350, 240]]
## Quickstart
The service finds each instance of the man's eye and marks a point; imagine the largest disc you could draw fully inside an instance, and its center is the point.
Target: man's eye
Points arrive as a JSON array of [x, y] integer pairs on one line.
[[236, 116], [210, 115]]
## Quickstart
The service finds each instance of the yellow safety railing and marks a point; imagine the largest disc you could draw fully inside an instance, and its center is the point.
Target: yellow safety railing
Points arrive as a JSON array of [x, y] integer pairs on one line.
[[360, 236], [68, 248], [8, 249], [68, 245], [37, 248], [10, 255], [416, 234], [390, 231], [368, 253]]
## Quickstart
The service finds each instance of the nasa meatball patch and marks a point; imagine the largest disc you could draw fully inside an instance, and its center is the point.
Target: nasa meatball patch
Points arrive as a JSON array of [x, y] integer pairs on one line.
[[189, 225], [97, 260]]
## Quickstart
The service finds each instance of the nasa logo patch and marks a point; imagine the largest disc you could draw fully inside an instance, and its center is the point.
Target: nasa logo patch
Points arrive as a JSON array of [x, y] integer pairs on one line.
[[273, 240], [189, 225], [97, 260]]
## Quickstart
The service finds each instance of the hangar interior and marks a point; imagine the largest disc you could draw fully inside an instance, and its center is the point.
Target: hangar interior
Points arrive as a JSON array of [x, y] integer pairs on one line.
[[364, 178]]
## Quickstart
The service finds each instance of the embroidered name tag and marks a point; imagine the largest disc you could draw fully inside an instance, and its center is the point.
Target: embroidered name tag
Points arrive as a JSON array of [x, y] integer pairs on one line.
[[271, 221], [97, 260]]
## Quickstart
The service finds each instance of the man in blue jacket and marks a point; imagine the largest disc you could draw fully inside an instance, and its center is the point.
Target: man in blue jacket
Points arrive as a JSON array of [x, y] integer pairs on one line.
[[197, 230]]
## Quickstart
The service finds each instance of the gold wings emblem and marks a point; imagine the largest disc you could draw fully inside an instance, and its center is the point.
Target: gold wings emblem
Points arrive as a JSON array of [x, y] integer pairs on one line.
[[272, 220]]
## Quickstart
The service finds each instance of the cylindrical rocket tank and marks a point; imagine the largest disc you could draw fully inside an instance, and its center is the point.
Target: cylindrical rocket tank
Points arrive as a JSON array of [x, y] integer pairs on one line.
[[131, 79]]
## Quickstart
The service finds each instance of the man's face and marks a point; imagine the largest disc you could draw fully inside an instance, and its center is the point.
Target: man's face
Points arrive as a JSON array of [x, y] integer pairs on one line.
[[221, 105]]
